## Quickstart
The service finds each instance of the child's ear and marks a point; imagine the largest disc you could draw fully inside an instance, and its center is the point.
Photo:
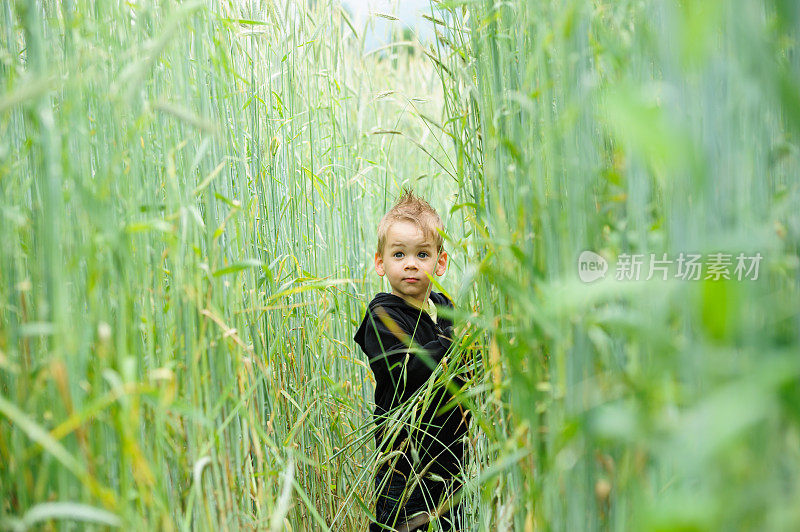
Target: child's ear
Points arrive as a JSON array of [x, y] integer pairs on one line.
[[441, 263], [379, 264]]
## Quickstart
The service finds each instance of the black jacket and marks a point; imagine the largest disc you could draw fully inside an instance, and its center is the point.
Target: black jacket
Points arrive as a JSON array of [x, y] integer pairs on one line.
[[398, 374]]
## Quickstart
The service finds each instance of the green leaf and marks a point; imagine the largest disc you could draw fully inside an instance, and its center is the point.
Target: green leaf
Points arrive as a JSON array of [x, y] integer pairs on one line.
[[238, 266], [36, 433], [69, 511]]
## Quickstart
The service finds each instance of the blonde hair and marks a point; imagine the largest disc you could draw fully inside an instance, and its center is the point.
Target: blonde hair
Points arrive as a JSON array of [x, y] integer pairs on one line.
[[414, 209]]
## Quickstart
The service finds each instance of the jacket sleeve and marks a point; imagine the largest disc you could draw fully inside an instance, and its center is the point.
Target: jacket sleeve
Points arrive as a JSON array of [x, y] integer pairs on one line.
[[390, 358]]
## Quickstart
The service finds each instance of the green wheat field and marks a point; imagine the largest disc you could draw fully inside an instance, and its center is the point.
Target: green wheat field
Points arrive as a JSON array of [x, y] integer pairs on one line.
[[189, 194]]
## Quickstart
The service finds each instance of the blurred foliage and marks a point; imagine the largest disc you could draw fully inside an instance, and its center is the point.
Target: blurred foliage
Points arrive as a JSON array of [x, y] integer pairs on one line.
[[633, 128]]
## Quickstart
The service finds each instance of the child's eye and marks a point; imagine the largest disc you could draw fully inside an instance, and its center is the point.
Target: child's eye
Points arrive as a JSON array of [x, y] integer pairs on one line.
[[423, 254], [398, 254]]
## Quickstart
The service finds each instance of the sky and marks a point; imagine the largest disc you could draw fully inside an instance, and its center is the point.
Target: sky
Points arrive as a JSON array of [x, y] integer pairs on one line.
[[408, 11]]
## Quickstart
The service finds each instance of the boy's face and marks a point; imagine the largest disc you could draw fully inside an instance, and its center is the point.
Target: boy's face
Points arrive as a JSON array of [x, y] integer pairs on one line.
[[407, 260]]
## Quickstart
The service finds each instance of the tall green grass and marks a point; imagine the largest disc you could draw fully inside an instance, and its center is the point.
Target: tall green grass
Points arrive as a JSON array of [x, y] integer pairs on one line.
[[188, 197], [632, 127]]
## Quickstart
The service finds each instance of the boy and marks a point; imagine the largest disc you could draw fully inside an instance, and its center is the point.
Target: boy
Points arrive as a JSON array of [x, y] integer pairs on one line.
[[421, 459]]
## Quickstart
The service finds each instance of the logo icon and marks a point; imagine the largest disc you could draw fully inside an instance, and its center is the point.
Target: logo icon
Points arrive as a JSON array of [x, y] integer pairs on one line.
[[591, 266]]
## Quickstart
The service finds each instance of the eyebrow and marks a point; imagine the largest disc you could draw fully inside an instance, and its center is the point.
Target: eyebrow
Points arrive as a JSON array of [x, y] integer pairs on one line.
[[401, 244]]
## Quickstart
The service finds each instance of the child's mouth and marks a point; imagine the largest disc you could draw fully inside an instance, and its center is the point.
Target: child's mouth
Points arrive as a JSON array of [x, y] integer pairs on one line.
[[410, 280]]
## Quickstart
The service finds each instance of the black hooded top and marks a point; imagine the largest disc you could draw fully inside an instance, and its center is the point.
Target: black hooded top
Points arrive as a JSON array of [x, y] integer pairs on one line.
[[399, 373]]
